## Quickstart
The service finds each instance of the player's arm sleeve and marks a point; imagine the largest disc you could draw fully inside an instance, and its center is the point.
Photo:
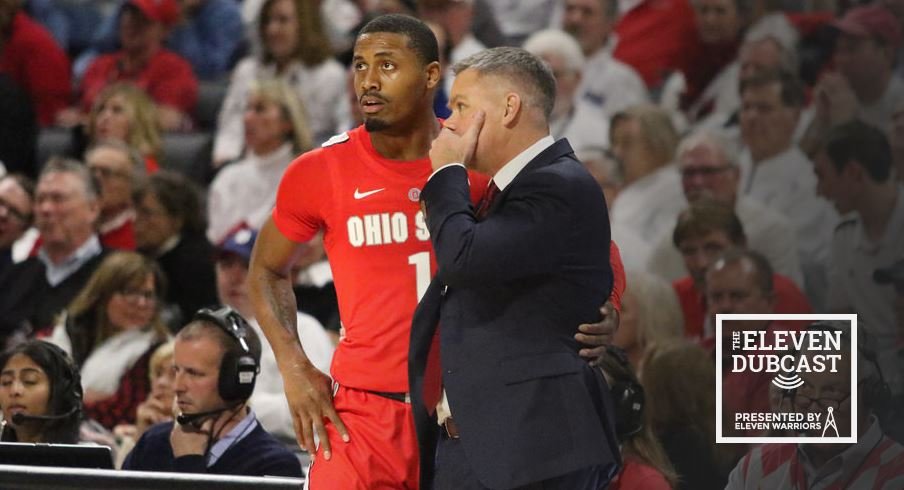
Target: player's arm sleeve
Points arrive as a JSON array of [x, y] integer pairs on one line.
[[297, 212]]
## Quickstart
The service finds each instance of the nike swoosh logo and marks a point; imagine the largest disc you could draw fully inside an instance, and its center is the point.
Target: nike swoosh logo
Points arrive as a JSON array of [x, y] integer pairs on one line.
[[362, 195]]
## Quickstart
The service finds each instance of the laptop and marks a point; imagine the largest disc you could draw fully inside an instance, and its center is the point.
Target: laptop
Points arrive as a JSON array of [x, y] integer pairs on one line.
[[68, 455]]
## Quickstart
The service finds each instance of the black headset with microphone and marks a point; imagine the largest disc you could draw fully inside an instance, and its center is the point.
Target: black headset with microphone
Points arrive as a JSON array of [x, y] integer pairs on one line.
[[238, 368], [65, 399]]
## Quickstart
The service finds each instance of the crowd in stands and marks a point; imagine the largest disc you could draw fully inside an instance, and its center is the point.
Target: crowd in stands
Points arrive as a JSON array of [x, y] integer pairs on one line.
[[751, 153]]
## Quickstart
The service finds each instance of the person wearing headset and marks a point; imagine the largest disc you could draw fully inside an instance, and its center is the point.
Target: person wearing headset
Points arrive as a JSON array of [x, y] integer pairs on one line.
[[875, 461], [217, 359], [40, 394]]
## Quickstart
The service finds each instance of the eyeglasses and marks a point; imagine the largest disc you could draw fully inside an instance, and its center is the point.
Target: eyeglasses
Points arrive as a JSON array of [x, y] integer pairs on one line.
[[15, 213], [705, 172], [135, 295], [106, 173]]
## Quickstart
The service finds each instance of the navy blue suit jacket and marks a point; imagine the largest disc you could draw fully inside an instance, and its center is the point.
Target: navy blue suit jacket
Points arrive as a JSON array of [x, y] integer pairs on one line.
[[509, 295]]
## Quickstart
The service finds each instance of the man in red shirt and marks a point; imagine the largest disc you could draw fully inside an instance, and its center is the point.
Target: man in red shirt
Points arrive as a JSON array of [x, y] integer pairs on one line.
[[165, 76], [362, 189], [30, 56]]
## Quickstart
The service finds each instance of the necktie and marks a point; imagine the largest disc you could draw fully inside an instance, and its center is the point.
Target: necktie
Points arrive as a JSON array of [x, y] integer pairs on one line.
[[484, 207]]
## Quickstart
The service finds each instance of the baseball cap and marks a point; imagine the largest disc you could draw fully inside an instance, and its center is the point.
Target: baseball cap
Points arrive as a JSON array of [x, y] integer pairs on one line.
[[893, 274], [164, 11], [239, 241], [869, 21]]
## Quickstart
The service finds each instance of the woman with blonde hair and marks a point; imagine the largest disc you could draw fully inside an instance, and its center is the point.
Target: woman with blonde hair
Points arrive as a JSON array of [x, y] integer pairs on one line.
[[679, 377], [124, 112], [111, 329], [275, 132], [295, 49], [645, 465], [650, 314]]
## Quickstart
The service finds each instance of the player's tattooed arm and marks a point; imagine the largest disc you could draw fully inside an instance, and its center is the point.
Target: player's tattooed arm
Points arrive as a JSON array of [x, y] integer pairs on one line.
[[308, 391]]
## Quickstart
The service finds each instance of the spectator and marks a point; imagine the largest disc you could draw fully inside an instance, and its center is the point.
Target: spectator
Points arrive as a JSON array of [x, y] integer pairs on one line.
[[34, 61], [709, 170], [607, 83], [456, 17], [124, 112], [115, 166], [678, 379], [34, 291], [38, 379], [704, 231], [865, 85], [644, 141], [295, 49], [269, 399], [650, 314], [18, 128], [874, 461], [854, 172], [169, 227], [111, 329], [275, 132], [16, 214], [216, 358], [157, 407], [573, 117], [778, 174], [655, 37], [644, 463], [165, 76]]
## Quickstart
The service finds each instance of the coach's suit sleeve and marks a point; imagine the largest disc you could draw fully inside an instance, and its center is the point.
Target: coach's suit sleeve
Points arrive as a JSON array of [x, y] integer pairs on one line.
[[523, 237]]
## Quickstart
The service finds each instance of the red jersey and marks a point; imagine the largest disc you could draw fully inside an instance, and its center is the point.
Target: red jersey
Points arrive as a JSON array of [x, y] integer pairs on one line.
[[378, 246]]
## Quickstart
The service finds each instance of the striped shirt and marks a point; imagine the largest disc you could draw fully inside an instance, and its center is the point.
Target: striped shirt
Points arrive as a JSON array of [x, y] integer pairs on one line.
[[875, 462]]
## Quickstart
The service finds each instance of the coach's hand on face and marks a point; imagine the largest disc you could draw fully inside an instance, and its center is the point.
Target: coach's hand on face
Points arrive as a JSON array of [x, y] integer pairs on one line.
[[456, 146], [310, 395]]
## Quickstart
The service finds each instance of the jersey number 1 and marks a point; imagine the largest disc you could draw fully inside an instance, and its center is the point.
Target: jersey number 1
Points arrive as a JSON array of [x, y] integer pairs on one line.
[[421, 263]]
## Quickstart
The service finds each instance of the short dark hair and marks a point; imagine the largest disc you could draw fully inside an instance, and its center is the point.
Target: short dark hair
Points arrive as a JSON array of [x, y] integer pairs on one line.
[[857, 141], [706, 216], [760, 263], [203, 328], [792, 91], [420, 38], [179, 196], [526, 70]]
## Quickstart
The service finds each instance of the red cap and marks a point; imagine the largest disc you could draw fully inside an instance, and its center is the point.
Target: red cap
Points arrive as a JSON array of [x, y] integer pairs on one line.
[[164, 11], [871, 21]]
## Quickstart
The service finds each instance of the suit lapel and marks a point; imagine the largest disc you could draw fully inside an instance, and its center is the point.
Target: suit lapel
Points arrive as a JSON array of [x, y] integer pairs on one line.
[[551, 154]]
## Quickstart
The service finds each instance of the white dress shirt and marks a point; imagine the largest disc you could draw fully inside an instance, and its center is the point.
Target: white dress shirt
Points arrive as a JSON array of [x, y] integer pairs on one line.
[[609, 84]]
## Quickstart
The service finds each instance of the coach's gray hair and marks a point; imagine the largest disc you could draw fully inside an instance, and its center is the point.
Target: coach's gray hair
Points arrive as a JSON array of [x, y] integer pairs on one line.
[[519, 66], [710, 139], [58, 164]]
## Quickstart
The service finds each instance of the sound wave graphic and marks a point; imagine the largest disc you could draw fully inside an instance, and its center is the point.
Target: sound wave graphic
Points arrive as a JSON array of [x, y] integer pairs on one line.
[[788, 382]]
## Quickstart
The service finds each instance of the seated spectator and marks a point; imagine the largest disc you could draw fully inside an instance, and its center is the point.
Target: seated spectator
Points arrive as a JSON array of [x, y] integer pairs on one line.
[[608, 84], [709, 170], [157, 407], [777, 173], [644, 463], [296, 50], [644, 141], [16, 213], [216, 358], [704, 231], [34, 61], [110, 330], [650, 314], [275, 132], [678, 380], [169, 227], [865, 85], [874, 461], [34, 291], [269, 398], [124, 112], [573, 117], [457, 18], [142, 60], [854, 172], [116, 167], [741, 281], [38, 379]]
